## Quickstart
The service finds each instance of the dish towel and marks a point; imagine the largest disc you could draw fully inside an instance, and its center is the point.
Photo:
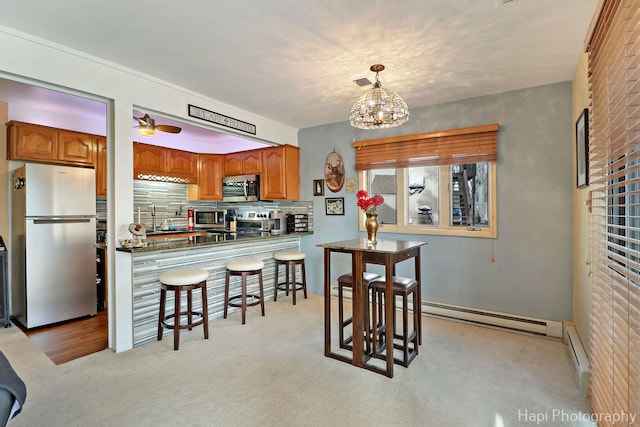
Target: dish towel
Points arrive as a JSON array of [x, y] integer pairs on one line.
[[11, 382]]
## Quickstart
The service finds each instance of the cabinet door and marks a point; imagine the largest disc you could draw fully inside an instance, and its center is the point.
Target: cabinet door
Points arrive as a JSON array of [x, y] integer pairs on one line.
[[252, 162], [148, 159], [233, 164], [210, 173], [32, 142], [183, 164], [76, 148], [281, 177], [101, 166]]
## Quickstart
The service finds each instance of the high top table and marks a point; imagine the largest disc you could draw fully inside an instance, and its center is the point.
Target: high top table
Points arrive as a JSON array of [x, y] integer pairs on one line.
[[387, 252]]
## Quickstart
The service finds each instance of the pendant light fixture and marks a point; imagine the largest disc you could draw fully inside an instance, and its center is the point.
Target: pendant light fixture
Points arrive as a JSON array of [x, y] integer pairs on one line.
[[378, 108]]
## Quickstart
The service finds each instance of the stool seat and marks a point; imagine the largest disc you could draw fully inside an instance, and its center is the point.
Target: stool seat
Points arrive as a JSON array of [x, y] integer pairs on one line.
[[400, 284], [178, 281], [290, 259], [245, 264], [347, 279], [289, 256], [183, 276]]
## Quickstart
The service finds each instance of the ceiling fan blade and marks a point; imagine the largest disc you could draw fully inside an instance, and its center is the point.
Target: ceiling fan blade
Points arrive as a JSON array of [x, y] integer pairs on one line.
[[168, 128]]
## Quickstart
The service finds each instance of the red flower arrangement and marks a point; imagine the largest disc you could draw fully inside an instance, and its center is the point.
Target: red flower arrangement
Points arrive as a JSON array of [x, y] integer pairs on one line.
[[369, 204]]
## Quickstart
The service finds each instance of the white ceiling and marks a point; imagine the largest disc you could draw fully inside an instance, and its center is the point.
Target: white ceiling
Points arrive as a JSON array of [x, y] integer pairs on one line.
[[294, 61]]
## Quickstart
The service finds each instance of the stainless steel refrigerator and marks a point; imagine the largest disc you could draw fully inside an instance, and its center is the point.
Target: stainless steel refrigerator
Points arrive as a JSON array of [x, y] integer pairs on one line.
[[53, 255]]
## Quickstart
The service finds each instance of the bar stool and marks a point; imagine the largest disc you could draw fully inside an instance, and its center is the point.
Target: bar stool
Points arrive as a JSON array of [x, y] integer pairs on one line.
[[346, 281], [243, 267], [404, 288], [185, 279], [290, 259]]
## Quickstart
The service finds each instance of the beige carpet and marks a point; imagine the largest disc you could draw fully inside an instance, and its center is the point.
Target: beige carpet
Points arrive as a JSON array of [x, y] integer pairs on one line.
[[272, 372]]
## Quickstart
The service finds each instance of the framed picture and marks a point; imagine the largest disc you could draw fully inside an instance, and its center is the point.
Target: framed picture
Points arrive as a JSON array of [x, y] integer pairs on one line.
[[582, 149], [318, 187], [334, 205]]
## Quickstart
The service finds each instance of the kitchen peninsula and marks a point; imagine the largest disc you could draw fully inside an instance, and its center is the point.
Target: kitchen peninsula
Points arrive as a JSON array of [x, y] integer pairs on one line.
[[210, 252]]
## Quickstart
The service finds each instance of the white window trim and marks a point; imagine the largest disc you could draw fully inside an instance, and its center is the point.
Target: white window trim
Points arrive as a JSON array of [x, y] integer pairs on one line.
[[444, 228]]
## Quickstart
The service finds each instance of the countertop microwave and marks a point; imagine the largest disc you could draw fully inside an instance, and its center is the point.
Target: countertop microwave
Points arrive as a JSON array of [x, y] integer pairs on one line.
[[241, 188], [209, 218]]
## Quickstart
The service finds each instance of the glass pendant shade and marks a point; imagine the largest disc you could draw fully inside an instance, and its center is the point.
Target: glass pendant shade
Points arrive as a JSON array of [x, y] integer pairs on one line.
[[378, 108]]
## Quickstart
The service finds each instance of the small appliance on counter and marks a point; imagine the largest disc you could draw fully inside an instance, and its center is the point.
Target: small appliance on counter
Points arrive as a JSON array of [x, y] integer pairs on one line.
[[297, 223], [210, 218], [278, 221]]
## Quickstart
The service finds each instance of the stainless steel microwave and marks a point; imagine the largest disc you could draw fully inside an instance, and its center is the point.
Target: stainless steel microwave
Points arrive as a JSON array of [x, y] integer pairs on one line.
[[209, 218], [241, 188]]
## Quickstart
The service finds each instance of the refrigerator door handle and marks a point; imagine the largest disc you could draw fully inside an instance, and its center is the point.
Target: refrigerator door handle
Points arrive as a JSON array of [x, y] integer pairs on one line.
[[61, 220]]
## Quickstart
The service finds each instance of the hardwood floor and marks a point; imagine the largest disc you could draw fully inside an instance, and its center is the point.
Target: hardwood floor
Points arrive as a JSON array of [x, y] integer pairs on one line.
[[71, 340]]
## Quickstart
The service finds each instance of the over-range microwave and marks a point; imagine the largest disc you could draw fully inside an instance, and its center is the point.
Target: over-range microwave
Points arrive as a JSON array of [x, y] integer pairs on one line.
[[241, 188]]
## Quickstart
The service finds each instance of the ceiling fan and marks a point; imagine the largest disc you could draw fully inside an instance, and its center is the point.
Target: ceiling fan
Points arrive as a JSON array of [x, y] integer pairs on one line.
[[148, 126]]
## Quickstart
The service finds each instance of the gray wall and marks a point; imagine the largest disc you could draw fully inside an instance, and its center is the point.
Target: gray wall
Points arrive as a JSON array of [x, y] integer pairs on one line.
[[532, 273]]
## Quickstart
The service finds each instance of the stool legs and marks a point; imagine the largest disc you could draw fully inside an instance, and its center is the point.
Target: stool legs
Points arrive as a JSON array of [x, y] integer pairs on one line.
[[290, 271], [243, 293], [177, 313], [407, 337]]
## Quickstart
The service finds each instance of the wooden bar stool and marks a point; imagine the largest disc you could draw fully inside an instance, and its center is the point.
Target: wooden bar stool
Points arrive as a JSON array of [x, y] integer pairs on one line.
[[186, 279], [404, 288], [346, 281], [290, 259], [243, 267]]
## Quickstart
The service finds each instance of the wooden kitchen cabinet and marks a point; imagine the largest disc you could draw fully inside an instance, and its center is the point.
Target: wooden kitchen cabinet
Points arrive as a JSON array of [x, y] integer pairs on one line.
[[210, 174], [150, 161], [76, 148], [101, 166], [243, 163], [281, 176], [31, 142], [148, 158]]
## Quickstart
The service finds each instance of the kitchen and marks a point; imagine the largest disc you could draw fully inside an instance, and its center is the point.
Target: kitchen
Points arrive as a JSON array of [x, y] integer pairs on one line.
[[153, 201]]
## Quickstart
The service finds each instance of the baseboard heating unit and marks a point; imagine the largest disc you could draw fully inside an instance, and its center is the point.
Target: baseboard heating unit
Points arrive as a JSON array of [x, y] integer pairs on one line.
[[541, 327], [547, 328], [578, 356]]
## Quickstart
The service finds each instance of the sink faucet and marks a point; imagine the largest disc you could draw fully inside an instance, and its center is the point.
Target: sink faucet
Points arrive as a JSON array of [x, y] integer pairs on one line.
[[153, 217]]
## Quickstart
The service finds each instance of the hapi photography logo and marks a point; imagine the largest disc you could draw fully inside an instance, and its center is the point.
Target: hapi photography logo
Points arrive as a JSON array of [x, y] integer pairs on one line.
[[555, 416]]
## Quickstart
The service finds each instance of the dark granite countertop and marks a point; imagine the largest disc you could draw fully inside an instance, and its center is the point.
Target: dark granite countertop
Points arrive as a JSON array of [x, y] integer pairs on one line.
[[175, 243]]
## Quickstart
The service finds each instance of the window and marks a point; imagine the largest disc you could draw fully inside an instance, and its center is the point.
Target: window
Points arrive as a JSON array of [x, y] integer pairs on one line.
[[614, 218], [436, 183]]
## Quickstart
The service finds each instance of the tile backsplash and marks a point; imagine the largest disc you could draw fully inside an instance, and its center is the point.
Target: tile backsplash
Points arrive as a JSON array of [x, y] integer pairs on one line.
[[171, 203]]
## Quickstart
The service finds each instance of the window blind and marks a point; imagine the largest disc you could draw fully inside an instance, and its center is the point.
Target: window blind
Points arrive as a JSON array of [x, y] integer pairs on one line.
[[614, 221], [448, 147]]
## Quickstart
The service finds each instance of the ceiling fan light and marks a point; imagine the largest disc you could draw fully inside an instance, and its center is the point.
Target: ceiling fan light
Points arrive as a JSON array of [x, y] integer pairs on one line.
[[378, 108], [146, 130]]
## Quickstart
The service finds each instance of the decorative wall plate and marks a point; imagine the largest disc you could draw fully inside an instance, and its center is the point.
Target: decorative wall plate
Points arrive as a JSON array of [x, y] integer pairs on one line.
[[334, 172]]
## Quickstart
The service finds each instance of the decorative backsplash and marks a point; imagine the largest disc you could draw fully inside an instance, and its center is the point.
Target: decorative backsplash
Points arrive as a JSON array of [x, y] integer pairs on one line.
[[171, 203]]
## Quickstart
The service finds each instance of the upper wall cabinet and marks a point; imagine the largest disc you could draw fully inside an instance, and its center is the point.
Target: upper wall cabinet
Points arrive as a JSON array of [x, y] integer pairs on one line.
[[243, 163], [30, 142], [154, 163], [101, 166], [281, 176], [210, 173]]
